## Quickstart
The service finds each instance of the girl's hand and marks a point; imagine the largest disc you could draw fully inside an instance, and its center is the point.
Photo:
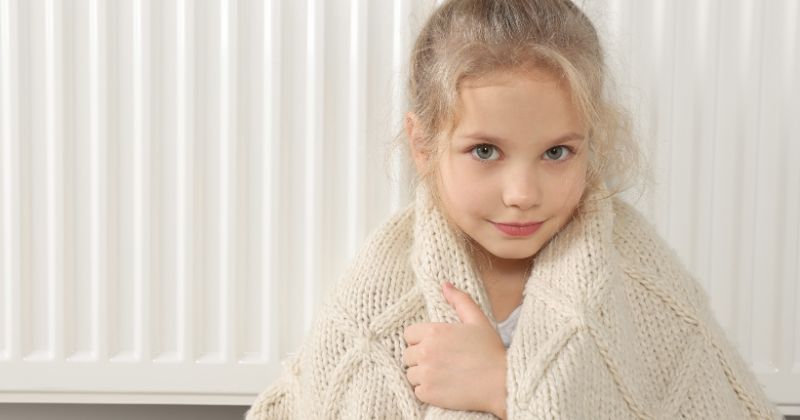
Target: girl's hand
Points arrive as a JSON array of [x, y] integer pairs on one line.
[[458, 366]]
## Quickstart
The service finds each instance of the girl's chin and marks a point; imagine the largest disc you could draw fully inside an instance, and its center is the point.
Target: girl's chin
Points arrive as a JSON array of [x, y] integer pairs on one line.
[[505, 250], [516, 253], [515, 256]]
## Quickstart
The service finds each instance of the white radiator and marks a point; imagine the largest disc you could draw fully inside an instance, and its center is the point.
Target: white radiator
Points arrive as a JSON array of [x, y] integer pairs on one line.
[[182, 181]]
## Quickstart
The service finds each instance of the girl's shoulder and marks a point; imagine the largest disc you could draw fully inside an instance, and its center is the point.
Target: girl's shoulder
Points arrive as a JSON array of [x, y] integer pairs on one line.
[[650, 261], [385, 245], [380, 271]]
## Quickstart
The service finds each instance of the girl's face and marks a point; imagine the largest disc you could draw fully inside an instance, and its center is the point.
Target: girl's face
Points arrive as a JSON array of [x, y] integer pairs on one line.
[[517, 156]]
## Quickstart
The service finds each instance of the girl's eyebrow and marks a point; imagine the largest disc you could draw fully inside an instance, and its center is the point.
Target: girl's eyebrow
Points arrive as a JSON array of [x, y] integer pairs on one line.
[[494, 139]]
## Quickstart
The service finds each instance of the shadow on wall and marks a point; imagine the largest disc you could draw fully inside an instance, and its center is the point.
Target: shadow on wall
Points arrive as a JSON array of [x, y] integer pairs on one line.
[[120, 412]]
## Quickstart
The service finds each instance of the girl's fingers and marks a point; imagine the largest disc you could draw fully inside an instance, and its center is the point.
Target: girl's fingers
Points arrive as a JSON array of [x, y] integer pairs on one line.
[[413, 333], [409, 356], [413, 375]]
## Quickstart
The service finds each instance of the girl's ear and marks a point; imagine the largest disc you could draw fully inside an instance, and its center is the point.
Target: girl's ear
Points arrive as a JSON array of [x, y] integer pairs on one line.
[[414, 134]]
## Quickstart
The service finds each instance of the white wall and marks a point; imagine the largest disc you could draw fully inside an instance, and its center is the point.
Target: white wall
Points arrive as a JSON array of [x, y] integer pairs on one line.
[[182, 181]]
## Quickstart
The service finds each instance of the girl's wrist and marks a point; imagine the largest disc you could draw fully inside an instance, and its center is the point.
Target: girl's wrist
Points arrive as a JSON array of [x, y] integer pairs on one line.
[[500, 407], [498, 403]]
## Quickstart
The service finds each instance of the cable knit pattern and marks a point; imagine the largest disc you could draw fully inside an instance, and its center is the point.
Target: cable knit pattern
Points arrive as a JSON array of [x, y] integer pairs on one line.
[[611, 326]]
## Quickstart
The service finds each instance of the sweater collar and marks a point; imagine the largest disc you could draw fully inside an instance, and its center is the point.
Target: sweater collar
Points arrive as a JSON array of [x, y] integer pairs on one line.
[[573, 264]]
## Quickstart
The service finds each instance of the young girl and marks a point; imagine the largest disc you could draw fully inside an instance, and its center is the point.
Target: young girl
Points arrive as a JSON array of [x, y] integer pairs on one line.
[[517, 284]]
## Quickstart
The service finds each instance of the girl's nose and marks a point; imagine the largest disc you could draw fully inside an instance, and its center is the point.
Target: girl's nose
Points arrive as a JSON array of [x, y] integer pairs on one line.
[[522, 189]]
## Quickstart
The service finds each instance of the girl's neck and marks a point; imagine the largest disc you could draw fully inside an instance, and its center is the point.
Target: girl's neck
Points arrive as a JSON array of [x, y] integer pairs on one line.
[[493, 269], [503, 280]]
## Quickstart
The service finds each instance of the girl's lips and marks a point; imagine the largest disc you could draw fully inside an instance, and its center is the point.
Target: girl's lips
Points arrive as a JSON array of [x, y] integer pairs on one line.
[[518, 230]]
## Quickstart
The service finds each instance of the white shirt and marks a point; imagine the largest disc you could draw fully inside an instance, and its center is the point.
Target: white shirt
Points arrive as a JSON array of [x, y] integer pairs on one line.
[[506, 327]]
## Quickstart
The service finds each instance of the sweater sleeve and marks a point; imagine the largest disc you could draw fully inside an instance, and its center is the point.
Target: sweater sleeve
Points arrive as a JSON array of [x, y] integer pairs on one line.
[[721, 366], [348, 365], [273, 403], [711, 380], [277, 401], [340, 373]]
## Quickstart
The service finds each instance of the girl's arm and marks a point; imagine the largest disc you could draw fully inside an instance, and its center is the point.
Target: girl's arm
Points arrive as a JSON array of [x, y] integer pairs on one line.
[[273, 403], [277, 401]]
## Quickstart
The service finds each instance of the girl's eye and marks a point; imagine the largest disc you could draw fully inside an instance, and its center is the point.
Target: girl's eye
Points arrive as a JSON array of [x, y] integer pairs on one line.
[[554, 152], [487, 152], [484, 152]]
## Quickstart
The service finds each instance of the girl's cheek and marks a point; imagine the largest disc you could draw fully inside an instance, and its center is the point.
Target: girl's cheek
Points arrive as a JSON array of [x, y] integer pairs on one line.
[[575, 187], [463, 171], [472, 183]]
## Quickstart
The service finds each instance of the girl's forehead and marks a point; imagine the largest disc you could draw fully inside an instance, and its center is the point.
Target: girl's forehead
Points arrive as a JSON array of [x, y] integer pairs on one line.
[[506, 77], [499, 118], [521, 99]]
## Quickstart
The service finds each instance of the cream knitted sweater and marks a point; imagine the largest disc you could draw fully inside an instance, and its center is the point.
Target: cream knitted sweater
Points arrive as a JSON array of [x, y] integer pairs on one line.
[[611, 327]]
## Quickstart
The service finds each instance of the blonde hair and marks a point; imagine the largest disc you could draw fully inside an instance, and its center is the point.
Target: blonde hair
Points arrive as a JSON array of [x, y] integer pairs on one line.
[[470, 39]]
